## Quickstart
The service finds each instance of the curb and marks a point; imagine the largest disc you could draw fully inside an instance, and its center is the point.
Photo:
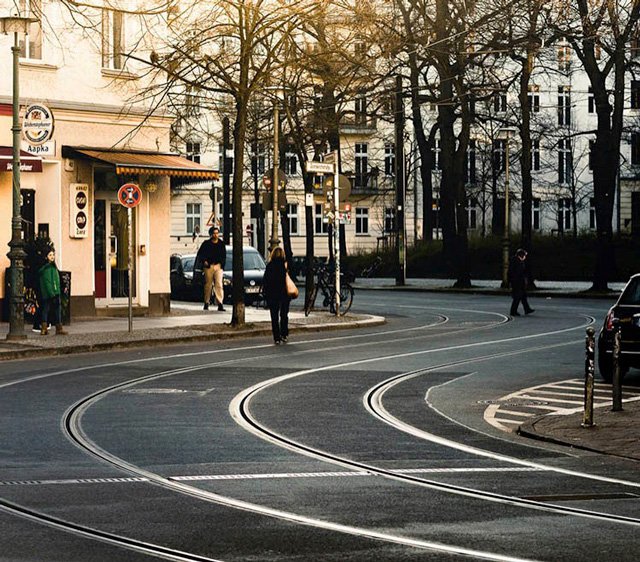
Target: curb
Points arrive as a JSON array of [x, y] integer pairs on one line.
[[491, 292], [37, 352]]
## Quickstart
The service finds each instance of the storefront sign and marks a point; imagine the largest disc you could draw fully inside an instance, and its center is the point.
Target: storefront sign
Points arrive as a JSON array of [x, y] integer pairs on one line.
[[46, 149], [37, 124], [79, 210]]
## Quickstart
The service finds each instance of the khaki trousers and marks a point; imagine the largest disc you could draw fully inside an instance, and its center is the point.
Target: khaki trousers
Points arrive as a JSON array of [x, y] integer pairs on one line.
[[213, 278]]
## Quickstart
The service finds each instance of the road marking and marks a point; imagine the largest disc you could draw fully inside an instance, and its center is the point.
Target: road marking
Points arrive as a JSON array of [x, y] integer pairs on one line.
[[265, 476], [506, 413]]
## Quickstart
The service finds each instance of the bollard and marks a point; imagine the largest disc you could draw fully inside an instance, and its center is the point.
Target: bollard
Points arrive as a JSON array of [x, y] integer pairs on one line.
[[589, 370], [617, 383]]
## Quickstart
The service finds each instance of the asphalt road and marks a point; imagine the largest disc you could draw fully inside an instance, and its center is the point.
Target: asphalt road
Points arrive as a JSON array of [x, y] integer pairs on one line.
[[339, 446]]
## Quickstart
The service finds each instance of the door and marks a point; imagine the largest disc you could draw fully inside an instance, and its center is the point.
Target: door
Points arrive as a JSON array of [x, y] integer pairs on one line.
[[111, 253]]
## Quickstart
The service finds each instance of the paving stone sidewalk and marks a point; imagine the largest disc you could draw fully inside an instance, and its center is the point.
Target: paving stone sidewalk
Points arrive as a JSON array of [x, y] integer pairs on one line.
[[614, 433]]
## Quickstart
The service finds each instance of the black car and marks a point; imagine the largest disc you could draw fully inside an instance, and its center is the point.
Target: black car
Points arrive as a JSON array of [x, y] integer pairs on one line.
[[187, 278], [626, 312]]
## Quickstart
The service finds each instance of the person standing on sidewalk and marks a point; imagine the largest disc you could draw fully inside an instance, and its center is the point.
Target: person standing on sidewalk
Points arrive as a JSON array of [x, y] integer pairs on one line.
[[49, 281], [275, 291], [213, 255], [519, 279]]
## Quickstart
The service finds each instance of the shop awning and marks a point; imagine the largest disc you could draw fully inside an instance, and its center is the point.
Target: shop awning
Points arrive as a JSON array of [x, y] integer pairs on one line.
[[28, 162], [139, 162]]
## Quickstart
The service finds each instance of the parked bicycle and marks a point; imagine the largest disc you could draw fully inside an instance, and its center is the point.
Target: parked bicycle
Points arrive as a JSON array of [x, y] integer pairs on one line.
[[324, 282], [372, 268]]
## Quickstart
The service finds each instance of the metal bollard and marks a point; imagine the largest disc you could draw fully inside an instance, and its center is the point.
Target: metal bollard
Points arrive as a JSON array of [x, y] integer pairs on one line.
[[617, 383], [589, 370]]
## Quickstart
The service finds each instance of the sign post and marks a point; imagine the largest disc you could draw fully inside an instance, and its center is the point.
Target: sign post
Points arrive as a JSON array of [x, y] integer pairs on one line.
[[130, 196]]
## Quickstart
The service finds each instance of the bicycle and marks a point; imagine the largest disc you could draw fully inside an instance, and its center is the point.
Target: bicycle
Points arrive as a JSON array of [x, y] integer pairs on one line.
[[324, 280], [372, 268]]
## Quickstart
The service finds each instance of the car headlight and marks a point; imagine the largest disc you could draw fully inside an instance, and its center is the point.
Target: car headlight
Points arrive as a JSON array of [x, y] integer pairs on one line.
[[226, 281]]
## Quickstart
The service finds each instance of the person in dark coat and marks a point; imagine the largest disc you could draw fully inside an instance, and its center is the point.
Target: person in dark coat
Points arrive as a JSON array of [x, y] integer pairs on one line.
[[49, 281], [275, 291], [213, 255], [519, 280]]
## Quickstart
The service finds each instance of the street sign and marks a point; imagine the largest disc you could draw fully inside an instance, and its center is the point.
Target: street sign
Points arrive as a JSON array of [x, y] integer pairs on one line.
[[344, 185], [130, 195], [319, 168], [267, 179]]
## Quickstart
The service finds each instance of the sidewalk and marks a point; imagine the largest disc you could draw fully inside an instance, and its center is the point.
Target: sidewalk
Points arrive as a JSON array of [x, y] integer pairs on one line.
[[488, 286], [614, 433], [186, 323]]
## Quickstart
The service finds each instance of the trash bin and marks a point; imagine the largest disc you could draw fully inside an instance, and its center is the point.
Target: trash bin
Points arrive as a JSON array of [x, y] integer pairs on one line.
[[65, 296]]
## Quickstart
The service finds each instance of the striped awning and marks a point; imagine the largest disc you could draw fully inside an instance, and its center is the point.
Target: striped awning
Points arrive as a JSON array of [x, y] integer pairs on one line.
[[139, 162]]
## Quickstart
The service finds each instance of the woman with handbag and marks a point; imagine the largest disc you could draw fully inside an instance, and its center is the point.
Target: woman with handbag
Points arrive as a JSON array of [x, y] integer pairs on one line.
[[277, 295]]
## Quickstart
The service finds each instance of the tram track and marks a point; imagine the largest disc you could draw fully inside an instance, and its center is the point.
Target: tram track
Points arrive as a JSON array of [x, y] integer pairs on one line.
[[72, 426]]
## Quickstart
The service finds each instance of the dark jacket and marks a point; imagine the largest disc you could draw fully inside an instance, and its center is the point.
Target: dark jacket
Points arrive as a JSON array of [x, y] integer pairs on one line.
[[212, 253], [274, 284], [49, 280], [518, 274]]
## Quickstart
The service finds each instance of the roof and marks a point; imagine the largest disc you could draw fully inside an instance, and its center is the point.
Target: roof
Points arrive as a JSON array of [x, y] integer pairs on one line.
[[141, 162], [28, 162]]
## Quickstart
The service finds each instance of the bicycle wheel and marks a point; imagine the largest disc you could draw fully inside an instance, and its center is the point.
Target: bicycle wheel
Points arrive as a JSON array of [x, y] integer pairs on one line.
[[310, 299], [346, 298]]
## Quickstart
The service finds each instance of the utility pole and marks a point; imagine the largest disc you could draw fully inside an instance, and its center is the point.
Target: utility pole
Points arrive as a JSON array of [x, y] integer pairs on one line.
[[226, 183], [273, 243], [401, 248]]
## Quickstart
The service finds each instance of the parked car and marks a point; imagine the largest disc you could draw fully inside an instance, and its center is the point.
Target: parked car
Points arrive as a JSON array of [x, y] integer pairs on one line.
[[187, 279], [626, 312]]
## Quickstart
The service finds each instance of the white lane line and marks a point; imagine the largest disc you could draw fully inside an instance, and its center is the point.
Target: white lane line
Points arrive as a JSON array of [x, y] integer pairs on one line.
[[265, 476], [519, 414]]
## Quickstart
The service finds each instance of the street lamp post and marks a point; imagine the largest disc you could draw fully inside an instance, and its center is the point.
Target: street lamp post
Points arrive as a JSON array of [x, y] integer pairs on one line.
[[505, 133], [16, 25]]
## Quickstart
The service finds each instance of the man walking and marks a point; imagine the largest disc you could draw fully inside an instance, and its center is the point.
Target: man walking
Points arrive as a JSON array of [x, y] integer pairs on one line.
[[519, 279], [212, 255]]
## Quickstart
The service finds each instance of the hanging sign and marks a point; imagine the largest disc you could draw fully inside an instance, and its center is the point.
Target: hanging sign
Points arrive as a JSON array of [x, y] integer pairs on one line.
[[79, 210], [37, 124]]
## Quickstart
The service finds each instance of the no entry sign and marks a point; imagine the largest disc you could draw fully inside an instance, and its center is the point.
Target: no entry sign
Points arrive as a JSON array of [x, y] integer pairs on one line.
[[130, 195]]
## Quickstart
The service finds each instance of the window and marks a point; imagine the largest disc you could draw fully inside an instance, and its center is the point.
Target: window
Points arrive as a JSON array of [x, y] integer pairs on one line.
[[500, 102], [635, 43], [31, 46], [436, 163], [290, 161], [635, 149], [112, 39], [321, 227], [499, 155], [591, 101], [292, 214], [361, 164], [591, 145], [535, 155], [193, 214], [472, 213], [470, 162], [389, 219], [535, 213], [362, 220], [534, 99], [565, 172], [389, 159], [258, 159], [592, 213], [564, 213], [193, 151], [564, 105], [229, 159], [635, 94], [564, 58], [361, 110]]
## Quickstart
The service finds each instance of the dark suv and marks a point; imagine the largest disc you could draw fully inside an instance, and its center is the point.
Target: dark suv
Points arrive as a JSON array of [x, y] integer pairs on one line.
[[626, 311], [186, 276]]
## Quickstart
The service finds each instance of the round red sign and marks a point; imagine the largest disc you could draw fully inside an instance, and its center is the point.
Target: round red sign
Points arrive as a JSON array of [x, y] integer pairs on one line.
[[130, 195]]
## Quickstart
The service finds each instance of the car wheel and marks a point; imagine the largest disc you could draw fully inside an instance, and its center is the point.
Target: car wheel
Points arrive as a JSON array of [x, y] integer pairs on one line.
[[605, 366]]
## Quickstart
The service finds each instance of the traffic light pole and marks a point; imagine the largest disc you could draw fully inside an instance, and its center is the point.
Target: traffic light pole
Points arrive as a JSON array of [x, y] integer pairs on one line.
[[273, 243]]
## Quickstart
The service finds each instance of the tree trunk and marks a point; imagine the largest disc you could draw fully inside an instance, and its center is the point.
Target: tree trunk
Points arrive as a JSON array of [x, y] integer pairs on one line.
[[239, 135]]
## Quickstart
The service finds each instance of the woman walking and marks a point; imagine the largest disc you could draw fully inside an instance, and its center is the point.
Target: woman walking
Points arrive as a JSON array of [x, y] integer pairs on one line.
[[49, 280], [275, 291]]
